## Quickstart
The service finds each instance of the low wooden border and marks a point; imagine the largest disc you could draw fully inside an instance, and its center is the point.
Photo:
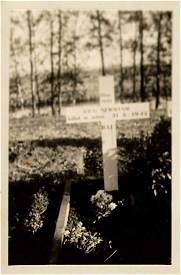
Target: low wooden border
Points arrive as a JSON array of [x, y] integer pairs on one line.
[[61, 224]]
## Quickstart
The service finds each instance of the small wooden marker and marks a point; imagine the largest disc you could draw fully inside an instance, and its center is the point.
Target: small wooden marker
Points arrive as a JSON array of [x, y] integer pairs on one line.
[[61, 224]]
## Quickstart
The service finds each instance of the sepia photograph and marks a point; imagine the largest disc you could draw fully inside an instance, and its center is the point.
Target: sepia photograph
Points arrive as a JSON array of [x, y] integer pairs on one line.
[[90, 136]]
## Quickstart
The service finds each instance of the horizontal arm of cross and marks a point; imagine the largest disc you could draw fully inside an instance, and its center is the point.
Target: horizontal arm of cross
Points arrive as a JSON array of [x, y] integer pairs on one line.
[[96, 113]]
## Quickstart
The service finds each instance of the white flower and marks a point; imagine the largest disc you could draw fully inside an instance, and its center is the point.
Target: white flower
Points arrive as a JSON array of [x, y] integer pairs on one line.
[[112, 206], [79, 224], [66, 233]]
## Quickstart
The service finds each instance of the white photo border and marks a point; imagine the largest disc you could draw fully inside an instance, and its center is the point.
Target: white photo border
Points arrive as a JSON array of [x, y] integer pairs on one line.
[[174, 268]]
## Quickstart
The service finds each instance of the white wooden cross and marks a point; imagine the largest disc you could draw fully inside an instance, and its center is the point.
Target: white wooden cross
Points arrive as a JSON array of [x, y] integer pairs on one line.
[[107, 112]]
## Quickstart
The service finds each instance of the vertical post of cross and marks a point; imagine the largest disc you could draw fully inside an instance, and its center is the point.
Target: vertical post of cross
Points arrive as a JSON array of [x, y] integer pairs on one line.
[[109, 139], [107, 113]]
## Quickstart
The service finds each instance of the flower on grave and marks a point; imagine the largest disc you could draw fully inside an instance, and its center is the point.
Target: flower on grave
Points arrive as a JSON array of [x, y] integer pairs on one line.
[[66, 233], [121, 202], [103, 203], [78, 235], [35, 219], [112, 206]]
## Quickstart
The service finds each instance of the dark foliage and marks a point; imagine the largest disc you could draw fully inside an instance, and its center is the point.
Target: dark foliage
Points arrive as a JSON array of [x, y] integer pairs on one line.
[[139, 228], [136, 231], [32, 226]]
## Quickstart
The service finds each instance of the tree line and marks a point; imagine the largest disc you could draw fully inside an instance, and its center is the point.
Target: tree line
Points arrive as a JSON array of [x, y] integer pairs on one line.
[[149, 48]]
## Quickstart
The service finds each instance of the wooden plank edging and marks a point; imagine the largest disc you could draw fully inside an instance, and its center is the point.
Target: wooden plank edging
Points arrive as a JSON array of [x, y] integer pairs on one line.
[[61, 224]]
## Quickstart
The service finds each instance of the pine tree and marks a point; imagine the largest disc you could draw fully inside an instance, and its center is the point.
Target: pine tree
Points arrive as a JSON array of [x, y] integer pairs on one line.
[[100, 35], [32, 78]]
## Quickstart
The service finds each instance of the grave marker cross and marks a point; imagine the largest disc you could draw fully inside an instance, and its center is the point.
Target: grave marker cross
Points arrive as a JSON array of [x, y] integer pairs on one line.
[[107, 112]]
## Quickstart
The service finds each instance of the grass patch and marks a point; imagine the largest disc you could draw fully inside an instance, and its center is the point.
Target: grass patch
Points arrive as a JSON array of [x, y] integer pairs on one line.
[[47, 127]]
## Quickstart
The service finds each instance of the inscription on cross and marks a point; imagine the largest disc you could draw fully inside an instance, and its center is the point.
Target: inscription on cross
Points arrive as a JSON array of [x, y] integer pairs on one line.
[[107, 112]]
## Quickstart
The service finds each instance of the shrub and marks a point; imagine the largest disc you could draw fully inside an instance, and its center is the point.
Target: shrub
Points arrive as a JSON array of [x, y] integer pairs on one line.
[[31, 163], [160, 140], [77, 235], [103, 203], [18, 148], [36, 214], [132, 156], [161, 176], [93, 161], [159, 153]]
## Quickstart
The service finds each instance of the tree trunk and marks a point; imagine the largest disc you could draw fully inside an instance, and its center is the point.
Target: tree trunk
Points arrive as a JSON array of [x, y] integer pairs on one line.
[[100, 42], [20, 93], [52, 67], [29, 20], [17, 78], [36, 74], [142, 88], [59, 61], [14, 59], [66, 62], [37, 87], [158, 69], [121, 56], [134, 70], [74, 67], [165, 86]]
